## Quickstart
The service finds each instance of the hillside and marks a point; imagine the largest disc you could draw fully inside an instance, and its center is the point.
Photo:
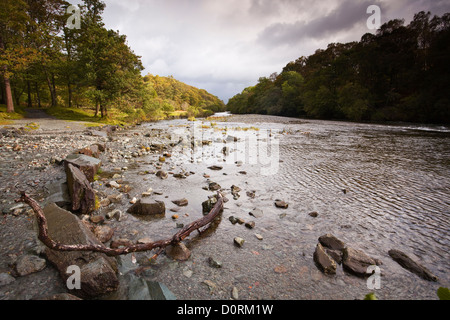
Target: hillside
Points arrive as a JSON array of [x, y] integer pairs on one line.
[[401, 73], [174, 95]]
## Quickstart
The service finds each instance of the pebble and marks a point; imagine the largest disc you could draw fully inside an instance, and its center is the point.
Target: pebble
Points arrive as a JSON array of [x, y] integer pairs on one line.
[[239, 241], [250, 224], [214, 262], [235, 293], [258, 236]]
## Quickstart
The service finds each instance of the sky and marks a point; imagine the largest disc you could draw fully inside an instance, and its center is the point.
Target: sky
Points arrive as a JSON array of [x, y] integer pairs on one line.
[[224, 46]]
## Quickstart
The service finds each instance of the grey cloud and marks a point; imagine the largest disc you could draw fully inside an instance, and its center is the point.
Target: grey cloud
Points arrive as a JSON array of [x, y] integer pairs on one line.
[[342, 18]]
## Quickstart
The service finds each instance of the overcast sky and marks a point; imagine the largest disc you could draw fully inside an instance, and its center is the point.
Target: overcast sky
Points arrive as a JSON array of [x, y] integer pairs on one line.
[[224, 46]]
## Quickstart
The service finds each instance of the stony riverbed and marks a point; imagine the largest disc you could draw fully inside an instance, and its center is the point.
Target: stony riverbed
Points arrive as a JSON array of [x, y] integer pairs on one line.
[[375, 187]]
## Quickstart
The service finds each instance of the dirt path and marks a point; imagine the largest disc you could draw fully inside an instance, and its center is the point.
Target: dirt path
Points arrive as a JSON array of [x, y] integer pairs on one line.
[[46, 122]]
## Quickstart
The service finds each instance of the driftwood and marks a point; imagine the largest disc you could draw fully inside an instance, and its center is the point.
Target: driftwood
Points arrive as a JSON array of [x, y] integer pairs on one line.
[[161, 244]]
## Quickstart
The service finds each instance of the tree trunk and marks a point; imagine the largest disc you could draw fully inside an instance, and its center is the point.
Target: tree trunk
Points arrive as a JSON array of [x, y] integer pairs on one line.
[[17, 95], [69, 90], [30, 104], [97, 109], [9, 98], [38, 97], [54, 91], [50, 88]]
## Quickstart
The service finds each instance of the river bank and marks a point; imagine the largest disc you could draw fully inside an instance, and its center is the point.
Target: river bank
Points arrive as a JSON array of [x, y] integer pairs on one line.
[[369, 185]]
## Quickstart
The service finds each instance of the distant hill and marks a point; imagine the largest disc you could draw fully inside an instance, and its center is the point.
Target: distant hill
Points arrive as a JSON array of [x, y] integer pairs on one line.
[[179, 98]]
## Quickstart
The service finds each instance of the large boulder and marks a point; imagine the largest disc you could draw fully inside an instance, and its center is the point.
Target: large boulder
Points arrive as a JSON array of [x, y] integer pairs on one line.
[[324, 261], [98, 271], [357, 262], [411, 265], [148, 207], [80, 190], [58, 192], [88, 165]]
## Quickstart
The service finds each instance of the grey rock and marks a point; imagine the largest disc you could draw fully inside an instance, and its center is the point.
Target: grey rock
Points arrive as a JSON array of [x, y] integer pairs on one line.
[[178, 252], [28, 264], [181, 202], [58, 192], [357, 262], [98, 270], [324, 261], [331, 242], [88, 165], [409, 264], [80, 190], [6, 279], [214, 262], [103, 233], [257, 213], [148, 207]]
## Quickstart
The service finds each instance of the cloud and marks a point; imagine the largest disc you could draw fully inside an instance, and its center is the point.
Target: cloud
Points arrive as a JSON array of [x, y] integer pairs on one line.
[[225, 46]]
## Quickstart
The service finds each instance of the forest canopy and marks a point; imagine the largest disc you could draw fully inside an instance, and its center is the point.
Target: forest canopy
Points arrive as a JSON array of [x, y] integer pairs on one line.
[[401, 73]]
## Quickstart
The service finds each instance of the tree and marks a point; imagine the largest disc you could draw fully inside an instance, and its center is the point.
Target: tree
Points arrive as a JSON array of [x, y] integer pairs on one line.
[[13, 52]]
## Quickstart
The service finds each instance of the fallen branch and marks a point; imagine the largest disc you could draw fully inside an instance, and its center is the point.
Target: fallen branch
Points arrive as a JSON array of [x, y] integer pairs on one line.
[[161, 244]]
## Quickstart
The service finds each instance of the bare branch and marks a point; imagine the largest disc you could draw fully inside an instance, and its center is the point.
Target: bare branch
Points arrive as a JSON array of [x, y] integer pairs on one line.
[[161, 244]]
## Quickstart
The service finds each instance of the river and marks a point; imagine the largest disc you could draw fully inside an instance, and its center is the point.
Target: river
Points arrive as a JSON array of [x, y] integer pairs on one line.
[[376, 187]]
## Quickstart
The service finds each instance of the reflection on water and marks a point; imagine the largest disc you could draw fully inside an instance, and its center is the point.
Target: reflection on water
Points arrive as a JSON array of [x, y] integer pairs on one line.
[[376, 187]]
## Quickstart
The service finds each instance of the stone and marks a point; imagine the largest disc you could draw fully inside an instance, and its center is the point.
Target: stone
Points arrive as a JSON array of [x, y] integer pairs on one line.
[[178, 252], [97, 219], [80, 190], [208, 205], [28, 264], [239, 241], [98, 270], [281, 204], [162, 174], [324, 261], [313, 214], [331, 242], [6, 279], [103, 233], [145, 240], [409, 264], [214, 262], [148, 207], [235, 293], [232, 219], [213, 186], [258, 236], [58, 192], [113, 184], [335, 254], [91, 151], [97, 133], [240, 220], [88, 165], [257, 213], [357, 262], [115, 214], [181, 202], [216, 168], [250, 224], [105, 202]]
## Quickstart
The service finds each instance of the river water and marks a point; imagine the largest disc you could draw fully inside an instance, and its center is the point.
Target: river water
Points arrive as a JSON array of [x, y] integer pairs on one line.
[[376, 187]]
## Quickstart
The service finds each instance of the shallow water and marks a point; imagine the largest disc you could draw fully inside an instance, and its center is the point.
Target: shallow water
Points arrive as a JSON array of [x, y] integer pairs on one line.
[[376, 187]]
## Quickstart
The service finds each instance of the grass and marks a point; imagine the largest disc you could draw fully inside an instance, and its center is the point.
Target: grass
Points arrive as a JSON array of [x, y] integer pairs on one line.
[[5, 118], [115, 117]]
